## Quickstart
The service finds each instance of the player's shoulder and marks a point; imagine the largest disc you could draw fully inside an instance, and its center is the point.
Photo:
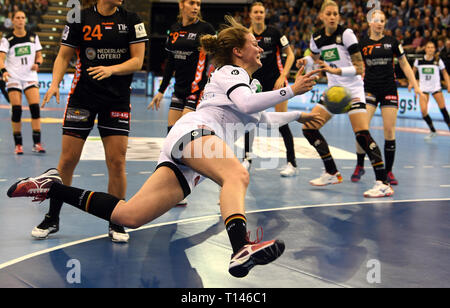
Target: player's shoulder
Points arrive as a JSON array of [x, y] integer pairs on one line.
[[388, 39], [206, 26], [232, 71], [319, 34], [364, 40], [272, 30], [175, 27], [8, 35], [345, 31]]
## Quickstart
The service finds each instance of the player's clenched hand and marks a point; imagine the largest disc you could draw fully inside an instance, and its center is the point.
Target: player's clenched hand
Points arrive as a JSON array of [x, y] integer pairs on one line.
[[52, 91], [5, 76], [100, 72]]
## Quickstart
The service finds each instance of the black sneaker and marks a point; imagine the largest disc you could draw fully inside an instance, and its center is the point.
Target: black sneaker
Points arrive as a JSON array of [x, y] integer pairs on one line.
[[118, 234], [47, 226]]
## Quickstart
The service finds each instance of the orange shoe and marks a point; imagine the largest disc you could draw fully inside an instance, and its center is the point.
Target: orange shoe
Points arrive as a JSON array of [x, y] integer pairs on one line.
[[38, 148], [18, 150]]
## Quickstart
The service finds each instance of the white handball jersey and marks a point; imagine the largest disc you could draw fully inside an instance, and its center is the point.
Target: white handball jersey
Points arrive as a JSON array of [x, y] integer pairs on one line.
[[241, 99], [21, 55], [223, 82], [429, 77], [336, 50]]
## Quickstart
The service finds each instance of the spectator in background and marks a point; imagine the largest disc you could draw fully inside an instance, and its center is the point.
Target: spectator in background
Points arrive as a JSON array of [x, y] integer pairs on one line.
[[409, 13], [8, 22], [435, 37], [443, 35], [437, 24], [417, 27], [445, 18], [399, 35], [440, 46], [411, 26], [392, 22], [445, 54], [402, 10], [401, 25], [417, 41], [427, 24], [426, 38], [408, 42]]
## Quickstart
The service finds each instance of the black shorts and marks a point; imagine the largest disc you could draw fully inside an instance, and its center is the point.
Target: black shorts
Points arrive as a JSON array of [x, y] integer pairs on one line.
[[385, 97], [79, 118], [179, 102]]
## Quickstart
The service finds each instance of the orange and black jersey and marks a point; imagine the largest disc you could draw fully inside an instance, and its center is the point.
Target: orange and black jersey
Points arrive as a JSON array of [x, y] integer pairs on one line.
[[272, 42], [379, 61], [185, 59], [103, 41]]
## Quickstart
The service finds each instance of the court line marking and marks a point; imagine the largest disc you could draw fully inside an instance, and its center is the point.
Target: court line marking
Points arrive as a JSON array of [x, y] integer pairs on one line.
[[205, 218]]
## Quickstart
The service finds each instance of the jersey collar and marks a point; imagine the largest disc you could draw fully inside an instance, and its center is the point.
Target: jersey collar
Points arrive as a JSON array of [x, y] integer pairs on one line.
[[95, 10]]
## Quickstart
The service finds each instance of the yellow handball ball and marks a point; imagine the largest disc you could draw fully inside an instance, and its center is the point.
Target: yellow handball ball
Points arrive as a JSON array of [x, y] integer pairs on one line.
[[338, 99]]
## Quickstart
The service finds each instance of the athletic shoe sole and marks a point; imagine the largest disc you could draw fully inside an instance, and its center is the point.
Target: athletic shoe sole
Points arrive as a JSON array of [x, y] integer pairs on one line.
[[263, 256]]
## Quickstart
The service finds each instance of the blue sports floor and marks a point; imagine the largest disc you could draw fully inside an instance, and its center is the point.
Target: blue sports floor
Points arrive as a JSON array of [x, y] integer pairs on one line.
[[334, 236]]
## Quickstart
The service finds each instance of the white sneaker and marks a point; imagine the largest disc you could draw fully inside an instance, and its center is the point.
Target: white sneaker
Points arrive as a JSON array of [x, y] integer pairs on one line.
[[430, 136], [379, 190], [118, 234], [327, 179], [247, 163], [45, 228], [289, 171]]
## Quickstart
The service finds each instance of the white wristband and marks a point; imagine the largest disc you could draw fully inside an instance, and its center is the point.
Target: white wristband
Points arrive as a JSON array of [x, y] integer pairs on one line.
[[348, 71]]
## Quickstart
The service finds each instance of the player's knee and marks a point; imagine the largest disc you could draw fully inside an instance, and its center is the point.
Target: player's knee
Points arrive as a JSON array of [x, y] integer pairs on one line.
[[389, 133], [241, 176], [116, 165], [35, 111], [67, 163], [16, 113]]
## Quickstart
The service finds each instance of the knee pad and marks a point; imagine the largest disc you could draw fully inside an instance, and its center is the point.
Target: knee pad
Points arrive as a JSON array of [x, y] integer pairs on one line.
[[316, 139], [35, 111], [365, 140], [313, 136], [369, 145], [16, 114]]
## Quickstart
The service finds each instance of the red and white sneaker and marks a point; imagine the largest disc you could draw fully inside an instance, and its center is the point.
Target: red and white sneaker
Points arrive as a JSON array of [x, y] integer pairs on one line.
[[18, 150], [37, 187], [254, 253], [357, 174], [391, 178], [38, 148]]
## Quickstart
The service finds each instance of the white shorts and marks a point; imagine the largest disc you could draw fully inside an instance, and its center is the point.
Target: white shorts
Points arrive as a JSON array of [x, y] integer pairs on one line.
[[188, 128], [14, 84]]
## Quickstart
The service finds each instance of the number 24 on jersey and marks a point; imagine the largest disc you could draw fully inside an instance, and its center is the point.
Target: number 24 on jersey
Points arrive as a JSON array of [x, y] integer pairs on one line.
[[90, 34]]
